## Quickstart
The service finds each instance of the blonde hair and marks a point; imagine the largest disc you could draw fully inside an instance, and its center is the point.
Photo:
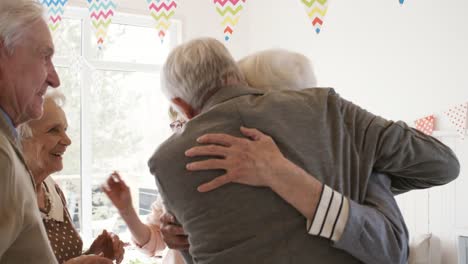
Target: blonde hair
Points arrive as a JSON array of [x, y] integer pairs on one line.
[[278, 69]]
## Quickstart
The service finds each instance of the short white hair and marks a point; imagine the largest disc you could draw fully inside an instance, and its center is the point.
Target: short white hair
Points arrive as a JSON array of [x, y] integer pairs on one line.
[[195, 69], [15, 17], [24, 129], [278, 69]]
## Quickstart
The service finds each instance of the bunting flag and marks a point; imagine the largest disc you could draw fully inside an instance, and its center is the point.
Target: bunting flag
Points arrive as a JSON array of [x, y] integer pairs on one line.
[[101, 13], [457, 116], [316, 11], [229, 10], [401, 2], [425, 124], [162, 11], [55, 9]]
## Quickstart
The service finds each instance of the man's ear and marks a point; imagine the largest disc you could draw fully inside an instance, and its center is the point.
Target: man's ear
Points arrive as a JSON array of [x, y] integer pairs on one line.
[[186, 108]]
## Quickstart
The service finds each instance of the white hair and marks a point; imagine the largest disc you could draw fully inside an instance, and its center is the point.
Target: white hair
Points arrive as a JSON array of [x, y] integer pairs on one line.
[[195, 69], [24, 129], [278, 69], [15, 17]]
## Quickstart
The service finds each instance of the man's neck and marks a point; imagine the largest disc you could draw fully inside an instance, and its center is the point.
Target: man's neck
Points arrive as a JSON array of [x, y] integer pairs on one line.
[[227, 82], [13, 117]]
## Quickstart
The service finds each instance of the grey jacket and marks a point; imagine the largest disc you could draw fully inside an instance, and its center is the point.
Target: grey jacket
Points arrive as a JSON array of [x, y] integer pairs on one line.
[[335, 141]]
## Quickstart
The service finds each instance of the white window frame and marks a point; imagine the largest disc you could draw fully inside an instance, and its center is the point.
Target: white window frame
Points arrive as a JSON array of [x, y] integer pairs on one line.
[[88, 66]]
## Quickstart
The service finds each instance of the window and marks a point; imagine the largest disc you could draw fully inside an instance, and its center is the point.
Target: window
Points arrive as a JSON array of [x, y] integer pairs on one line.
[[116, 113]]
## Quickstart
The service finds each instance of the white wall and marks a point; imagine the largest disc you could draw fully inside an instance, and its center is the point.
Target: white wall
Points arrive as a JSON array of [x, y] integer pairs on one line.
[[401, 62], [411, 57]]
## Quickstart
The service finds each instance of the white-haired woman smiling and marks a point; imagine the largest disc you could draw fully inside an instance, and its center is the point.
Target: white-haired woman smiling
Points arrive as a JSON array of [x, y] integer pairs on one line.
[[44, 142]]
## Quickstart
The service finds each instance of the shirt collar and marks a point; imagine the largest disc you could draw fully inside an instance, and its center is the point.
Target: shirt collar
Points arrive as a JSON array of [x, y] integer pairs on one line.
[[228, 92], [9, 122]]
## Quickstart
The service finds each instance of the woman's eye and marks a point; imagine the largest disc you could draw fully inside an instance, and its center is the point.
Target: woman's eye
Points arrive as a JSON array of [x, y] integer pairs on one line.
[[53, 130]]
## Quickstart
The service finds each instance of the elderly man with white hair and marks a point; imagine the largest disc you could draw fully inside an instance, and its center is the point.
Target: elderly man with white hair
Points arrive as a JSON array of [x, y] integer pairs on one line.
[[255, 212], [26, 71]]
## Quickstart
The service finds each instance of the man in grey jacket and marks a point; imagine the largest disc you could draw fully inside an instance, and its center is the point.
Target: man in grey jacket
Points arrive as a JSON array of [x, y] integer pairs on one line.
[[336, 143]]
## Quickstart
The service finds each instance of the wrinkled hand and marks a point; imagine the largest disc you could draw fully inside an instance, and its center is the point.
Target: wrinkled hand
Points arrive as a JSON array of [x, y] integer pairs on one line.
[[254, 160], [109, 245], [118, 192], [89, 259], [172, 233]]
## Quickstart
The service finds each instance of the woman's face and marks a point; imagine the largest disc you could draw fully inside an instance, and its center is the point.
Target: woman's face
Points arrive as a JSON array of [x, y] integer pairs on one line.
[[44, 150]]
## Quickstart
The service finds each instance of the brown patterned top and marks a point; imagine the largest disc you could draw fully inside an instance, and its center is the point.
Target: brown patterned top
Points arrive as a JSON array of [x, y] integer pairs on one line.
[[64, 239]]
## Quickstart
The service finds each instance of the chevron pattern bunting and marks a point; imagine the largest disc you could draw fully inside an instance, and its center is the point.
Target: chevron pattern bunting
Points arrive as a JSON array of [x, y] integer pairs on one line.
[[55, 10], [229, 10], [316, 11], [162, 11], [101, 13]]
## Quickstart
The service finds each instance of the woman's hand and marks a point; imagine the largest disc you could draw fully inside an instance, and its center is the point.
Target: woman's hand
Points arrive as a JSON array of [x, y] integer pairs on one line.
[[172, 233], [109, 245], [118, 192], [254, 161]]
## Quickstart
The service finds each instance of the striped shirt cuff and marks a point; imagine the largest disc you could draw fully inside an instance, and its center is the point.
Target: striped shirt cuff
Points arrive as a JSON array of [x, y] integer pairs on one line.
[[330, 216]]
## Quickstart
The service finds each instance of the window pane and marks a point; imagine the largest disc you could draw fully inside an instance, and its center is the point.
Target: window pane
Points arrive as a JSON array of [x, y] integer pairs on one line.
[[67, 38], [129, 120], [69, 177], [125, 43]]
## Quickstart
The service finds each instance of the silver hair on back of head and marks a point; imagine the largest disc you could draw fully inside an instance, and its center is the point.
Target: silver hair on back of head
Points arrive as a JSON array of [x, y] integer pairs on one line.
[[24, 129], [15, 17], [278, 69], [196, 68]]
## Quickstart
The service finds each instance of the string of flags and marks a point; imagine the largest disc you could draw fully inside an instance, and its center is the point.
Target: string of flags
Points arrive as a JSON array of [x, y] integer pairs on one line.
[[230, 11], [102, 11], [457, 115], [316, 11], [162, 11], [55, 9]]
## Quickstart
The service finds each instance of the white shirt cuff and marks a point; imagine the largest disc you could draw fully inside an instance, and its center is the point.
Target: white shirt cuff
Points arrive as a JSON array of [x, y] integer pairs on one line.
[[330, 216]]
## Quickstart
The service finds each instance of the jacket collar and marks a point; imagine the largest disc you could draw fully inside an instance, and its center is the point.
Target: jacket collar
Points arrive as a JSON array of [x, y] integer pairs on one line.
[[228, 92], [6, 129], [15, 143]]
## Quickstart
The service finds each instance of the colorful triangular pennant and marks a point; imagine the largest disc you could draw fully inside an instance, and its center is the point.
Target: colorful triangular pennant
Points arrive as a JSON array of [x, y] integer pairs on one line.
[[425, 124], [55, 9], [458, 117], [162, 11], [229, 10], [316, 11], [101, 13]]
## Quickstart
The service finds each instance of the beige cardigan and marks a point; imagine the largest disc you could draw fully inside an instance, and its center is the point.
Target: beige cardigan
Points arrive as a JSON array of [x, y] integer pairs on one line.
[[22, 235]]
